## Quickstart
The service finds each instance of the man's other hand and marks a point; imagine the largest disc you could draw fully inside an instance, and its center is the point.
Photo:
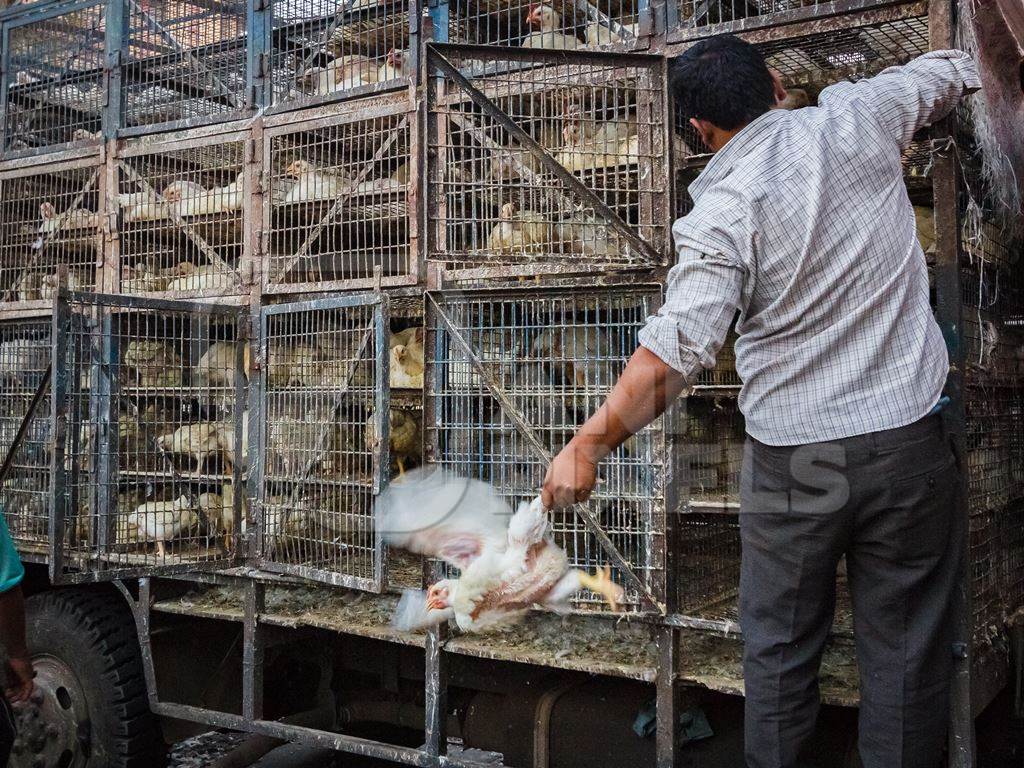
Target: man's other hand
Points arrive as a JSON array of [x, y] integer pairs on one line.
[[570, 478], [20, 680]]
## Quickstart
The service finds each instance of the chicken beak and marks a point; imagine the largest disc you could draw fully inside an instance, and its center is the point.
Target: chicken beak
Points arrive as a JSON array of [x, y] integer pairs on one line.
[[532, 17], [434, 604]]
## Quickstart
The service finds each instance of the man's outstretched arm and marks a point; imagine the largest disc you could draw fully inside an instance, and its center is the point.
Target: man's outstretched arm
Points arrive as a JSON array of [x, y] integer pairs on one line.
[[646, 388], [702, 296]]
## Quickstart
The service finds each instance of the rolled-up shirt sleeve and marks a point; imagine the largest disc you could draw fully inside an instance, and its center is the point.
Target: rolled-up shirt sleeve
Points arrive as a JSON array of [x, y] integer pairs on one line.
[[702, 295], [906, 98]]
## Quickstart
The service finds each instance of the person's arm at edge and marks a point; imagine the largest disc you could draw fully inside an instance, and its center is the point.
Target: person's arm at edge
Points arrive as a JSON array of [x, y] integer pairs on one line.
[[12, 637]]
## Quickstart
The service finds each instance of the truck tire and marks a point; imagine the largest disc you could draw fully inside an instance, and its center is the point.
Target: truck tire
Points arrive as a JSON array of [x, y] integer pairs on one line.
[[90, 708]]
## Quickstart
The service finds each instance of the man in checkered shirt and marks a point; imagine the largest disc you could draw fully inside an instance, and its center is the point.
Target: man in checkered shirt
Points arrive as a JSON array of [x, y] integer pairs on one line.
[[803, 233]]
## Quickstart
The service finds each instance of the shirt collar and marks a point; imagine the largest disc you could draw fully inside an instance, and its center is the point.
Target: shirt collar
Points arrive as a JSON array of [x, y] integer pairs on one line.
[[738, 146]]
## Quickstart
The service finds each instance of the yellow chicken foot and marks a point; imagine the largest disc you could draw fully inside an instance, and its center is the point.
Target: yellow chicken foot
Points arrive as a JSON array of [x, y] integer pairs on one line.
[[161, 551], [601, 584], [401, 466]]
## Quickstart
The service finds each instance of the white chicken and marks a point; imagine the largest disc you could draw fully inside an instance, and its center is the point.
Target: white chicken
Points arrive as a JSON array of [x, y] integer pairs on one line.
[[144, 277], [405, 361], [141, 206], [197, 441], [26, 287], [49, 284], [590, 144], [219, 512], [225, 437], [208, 201], [313, 183], [508, 562], [518, 232], [162, 521], [216, 368], [397, 64], [154, 363], [599, 34], [202, 278], [340, 74], [548, 25], [76, 218], [292, 365], [584, 235]]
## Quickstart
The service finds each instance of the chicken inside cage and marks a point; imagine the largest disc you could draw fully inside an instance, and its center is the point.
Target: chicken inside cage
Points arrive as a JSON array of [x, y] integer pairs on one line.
[[339, 201], [48, 219], [577, 175], [552, 25], [322, 47], [711, 451], [182, 220], [24, 497], [158, 437]]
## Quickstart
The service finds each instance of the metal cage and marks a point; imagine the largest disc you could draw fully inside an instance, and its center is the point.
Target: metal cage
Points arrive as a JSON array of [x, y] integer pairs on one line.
[[552, 25], [691, 19], [182, 62], [330, 49], [25, 430], [510, 376], [851, 48], [53, 86], [323, 439], [49, 217], [184, 211], [341, 203], [545, 161], [149, 435]]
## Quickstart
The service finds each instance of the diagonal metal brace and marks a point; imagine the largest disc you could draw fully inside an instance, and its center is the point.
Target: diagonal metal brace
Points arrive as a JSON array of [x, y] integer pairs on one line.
[[19, 437], [553, 167], [538, 447]]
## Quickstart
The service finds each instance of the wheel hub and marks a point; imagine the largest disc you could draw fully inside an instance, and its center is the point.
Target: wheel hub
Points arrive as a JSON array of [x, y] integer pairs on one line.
[[53, 728]]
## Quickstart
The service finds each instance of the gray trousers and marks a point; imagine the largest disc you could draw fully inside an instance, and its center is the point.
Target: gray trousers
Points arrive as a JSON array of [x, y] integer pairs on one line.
[[886, 501]]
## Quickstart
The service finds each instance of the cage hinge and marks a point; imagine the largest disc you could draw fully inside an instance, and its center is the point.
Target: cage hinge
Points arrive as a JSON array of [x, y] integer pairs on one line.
[[262, 64], [250, 152]]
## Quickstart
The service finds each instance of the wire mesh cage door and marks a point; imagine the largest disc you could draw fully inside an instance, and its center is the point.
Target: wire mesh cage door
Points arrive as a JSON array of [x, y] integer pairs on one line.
[[25, 431], [323, 439], [545, 161], [510, 376], [50, 216], [52, 77], [183, 63], [183, 207], [149, 436], [341, 205]]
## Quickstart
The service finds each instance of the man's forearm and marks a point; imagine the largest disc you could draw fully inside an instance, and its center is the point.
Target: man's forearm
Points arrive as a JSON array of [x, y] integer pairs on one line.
[[643, 392], [12, 622]]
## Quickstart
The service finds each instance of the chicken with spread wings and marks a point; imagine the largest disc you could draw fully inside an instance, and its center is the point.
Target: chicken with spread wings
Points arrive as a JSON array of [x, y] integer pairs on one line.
[[508, 562]]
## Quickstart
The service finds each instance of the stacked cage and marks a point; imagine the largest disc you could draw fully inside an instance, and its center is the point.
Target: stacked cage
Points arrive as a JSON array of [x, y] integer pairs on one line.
[[150, 435], [340, 207], [49, 219], [545, 162], [328, 50], [53, 79], [182, 63], [184, 209]]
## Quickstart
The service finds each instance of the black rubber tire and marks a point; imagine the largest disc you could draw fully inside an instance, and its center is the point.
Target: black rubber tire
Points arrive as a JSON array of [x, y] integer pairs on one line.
[[92, 631]]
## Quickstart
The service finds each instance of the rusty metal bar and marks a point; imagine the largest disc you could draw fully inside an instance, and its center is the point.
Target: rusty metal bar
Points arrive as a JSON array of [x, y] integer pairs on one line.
[[252, 650]]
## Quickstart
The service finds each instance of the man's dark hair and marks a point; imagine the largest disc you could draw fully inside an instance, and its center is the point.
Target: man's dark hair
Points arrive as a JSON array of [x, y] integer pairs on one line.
[[723, 80]]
